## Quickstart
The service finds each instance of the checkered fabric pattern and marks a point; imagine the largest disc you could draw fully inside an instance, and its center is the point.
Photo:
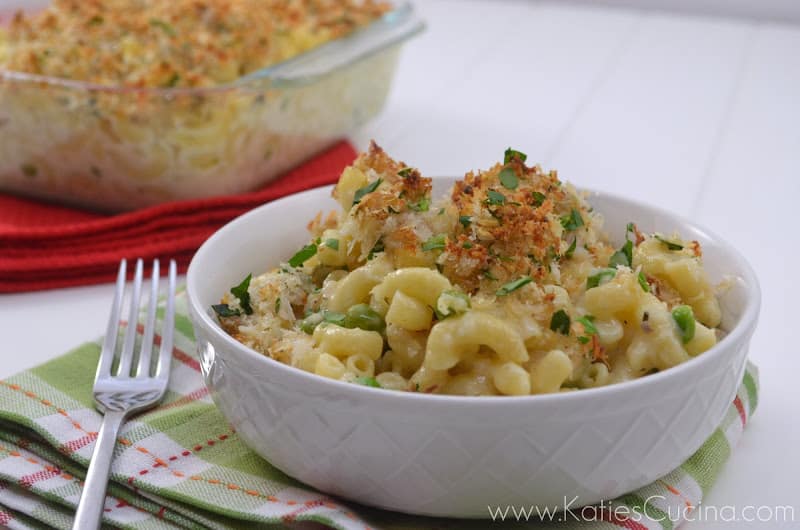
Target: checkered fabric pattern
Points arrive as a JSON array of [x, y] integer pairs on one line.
[[181, 465]]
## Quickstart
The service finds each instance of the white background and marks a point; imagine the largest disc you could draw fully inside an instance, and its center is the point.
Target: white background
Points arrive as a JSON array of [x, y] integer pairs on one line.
[[698, 114]]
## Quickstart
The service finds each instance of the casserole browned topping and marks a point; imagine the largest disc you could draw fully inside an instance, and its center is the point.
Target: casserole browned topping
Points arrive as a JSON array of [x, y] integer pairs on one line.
[[185, 43]]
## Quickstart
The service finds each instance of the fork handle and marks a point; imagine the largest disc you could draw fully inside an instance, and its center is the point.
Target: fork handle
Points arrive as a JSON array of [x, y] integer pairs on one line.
[[90, 507]]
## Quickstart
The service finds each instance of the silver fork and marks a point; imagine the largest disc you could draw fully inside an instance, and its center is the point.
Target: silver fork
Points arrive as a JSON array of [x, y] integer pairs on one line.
[[120, 394]]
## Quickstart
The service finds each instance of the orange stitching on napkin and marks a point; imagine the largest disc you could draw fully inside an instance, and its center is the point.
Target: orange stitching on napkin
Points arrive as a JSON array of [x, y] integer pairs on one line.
[[189, 398], [46, 403], [308, 505], [254, 493], [159, 462], [55, 472], [677, 493], [31, 395]]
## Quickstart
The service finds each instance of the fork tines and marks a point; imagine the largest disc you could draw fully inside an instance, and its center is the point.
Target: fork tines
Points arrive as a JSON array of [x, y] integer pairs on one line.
[[125, 360]]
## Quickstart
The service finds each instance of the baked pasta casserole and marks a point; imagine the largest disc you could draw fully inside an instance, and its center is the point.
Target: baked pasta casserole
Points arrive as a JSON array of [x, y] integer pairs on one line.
[[120, 104], [508, 285]]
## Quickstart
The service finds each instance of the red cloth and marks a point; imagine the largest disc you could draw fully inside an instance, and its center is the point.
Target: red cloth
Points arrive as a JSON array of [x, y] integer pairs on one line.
[[44, 246]]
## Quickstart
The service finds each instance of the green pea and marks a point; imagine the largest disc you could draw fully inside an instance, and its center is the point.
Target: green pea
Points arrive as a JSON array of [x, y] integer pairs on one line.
[[368, 381], [684, 317], [308, 324], [364, 317], [332, 317]]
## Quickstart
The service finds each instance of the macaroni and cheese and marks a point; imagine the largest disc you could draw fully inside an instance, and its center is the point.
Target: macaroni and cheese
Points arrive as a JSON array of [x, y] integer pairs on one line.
[[506, 286], [128, 103]]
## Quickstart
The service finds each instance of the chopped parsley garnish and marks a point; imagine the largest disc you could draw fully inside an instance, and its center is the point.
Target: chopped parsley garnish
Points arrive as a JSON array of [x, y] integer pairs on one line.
[[405, 172], [165, 27], [571, 250], [643, 282], [369, 188], [513, 286], [240, 292], [466, 244], [511, 154], [538, 198], [465, 220], [508, 178], [559, 322], [368, 381], [440, 212], [436, 242], [572, 221], [670, 245], [421, 206], [587, 321], [224, 310], [303, 255], [332, 243], [495, 198], [600, 277], [684, 317], [624, 256], [277, 305], [489, 276]]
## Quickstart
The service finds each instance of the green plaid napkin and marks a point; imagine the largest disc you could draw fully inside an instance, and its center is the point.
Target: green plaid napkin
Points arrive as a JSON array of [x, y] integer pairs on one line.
[[181, 465]]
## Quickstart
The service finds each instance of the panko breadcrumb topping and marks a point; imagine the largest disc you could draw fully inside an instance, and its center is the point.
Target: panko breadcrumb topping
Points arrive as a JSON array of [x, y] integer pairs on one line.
[[506, 285], [507, 222], [176, 43], [508, 226]]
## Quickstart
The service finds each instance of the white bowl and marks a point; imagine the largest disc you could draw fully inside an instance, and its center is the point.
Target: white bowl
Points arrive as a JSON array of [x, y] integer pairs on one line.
[[452, 455]]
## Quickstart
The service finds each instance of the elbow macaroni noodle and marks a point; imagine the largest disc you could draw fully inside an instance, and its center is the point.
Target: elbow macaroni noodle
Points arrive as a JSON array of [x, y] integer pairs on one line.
[[467, 295]]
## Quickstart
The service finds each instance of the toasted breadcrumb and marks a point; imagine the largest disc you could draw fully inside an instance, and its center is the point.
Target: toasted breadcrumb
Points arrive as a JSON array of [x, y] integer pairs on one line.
[[176, 43], [511, 242]]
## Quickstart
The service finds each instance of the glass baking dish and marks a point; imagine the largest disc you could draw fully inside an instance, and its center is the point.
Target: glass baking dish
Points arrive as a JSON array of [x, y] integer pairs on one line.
[[122, 148]]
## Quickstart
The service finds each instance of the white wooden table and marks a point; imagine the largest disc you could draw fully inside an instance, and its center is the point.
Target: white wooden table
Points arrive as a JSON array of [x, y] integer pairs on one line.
[[700, 115]]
